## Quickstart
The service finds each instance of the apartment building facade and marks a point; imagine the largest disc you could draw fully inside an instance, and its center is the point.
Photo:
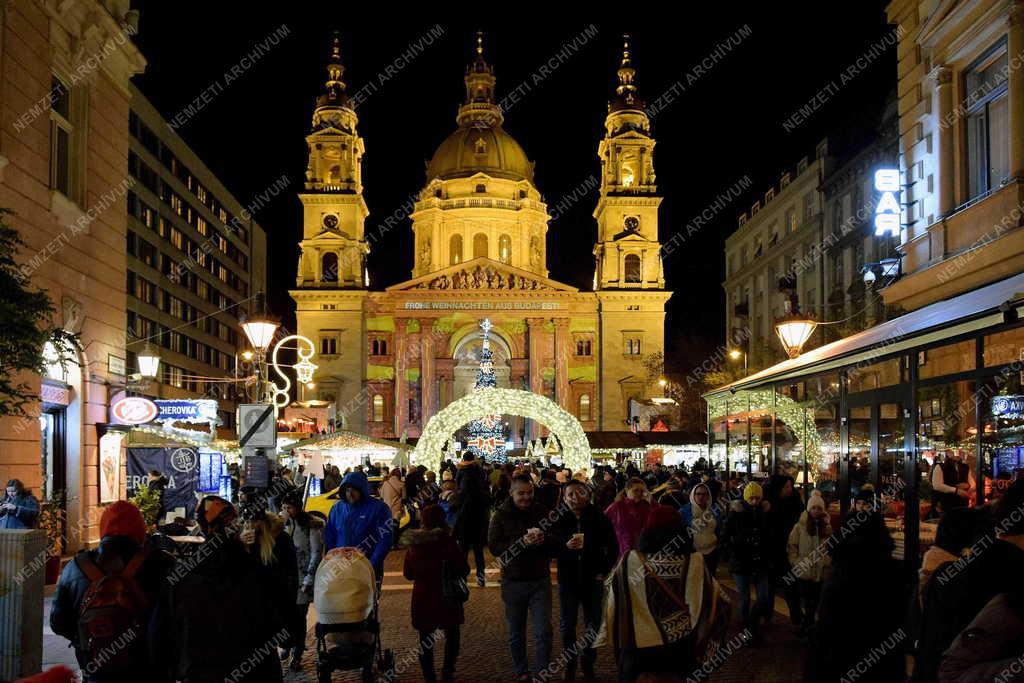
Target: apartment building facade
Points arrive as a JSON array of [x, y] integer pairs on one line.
[[770, 258]]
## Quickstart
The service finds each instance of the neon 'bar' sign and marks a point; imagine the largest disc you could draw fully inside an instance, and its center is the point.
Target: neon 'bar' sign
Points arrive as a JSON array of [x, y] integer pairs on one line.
[[887, 211]]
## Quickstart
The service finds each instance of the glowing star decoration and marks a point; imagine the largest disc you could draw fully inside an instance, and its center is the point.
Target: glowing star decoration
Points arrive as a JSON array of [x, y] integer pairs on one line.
[[304, 370], [887, 210], [475, 405]]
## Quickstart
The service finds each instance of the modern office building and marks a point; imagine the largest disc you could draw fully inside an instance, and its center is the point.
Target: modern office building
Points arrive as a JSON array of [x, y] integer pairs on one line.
[[195, 257]]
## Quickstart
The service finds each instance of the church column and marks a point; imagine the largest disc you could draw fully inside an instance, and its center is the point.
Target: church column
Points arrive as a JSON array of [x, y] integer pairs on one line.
[[401, 387], [428, 381], [535, 329], [942, 106], [562, 362]]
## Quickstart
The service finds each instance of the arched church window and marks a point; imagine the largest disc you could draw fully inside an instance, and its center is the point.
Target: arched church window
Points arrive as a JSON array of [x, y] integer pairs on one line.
[[632, 263], [479, 245], [334, 175], [329, 267], [378, 408], [481, 188], [455, 249], [627, 176], [505, 249], [584, 411]]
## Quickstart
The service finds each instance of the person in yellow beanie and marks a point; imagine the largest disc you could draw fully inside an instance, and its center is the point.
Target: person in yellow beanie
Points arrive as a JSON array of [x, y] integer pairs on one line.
[[745, 544]]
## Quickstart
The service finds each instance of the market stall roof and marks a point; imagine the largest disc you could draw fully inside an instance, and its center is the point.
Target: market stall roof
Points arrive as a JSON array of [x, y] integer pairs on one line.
[[958, 315], [614, 441], [673, 438], [346, 439]]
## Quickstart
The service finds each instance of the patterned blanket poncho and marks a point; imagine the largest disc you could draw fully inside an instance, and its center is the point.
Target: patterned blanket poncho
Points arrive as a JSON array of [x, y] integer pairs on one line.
[[662, 600]]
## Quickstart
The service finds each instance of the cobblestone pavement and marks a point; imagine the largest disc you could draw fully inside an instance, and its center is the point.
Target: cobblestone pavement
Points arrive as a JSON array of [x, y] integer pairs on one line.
[[485, 653]]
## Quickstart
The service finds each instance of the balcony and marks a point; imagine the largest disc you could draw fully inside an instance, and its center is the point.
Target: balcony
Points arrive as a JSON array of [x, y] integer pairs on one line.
[[978, 243]]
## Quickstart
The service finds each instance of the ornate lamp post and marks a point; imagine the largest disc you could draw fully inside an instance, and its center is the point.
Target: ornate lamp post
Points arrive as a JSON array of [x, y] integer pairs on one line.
[[260, 327]]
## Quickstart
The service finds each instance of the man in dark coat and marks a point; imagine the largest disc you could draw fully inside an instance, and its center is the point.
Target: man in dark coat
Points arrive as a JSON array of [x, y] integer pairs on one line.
[[604, 488], [414, 480], [522, 537], [123, 540], [784, 513], [471, 504], [860, 632], [548, 491], [219, 619], [588, 553], [958, 591], [745, 542]]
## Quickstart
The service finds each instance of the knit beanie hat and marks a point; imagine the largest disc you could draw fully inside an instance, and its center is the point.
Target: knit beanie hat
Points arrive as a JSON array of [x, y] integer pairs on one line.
[[816, 498], [866, 494], [752, 489], [123, 519], [212, 509]]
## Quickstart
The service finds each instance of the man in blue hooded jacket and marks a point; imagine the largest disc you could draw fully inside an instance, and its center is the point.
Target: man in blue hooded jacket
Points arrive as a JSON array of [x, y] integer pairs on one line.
[[360, 521]]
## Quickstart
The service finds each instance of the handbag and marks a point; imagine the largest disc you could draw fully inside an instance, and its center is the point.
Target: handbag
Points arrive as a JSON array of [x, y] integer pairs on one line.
[[453, 585]]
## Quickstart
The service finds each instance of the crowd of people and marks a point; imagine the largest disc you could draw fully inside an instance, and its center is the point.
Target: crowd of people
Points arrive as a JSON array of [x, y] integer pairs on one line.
[[639, 559]]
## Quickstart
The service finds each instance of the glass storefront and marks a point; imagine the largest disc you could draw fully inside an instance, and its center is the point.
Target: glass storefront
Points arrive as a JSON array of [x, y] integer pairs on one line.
[[886, 425]]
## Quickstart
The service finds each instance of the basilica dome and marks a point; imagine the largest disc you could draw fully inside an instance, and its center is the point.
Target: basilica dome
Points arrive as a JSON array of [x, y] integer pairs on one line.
[[474, 149]]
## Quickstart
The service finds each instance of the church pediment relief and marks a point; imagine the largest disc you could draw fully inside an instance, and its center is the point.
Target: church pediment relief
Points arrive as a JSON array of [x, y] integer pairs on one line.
[[483, 274]]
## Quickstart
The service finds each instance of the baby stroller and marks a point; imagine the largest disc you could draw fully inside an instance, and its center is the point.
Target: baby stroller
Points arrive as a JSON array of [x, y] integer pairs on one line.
[[347, 629]]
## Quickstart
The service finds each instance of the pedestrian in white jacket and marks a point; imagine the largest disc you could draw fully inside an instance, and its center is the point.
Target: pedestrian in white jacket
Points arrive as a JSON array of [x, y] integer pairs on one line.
[[808, 555]]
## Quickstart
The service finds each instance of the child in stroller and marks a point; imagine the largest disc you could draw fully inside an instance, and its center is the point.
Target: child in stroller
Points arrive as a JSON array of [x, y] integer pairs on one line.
[[347, 629]]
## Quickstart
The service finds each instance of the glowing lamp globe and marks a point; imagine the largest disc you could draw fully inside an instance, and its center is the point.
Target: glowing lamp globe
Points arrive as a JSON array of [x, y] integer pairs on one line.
[[794, 331], [149, 362]]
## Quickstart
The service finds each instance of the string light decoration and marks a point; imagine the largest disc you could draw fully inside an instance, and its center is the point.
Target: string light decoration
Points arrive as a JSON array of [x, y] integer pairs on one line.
[[304, 370], [487, 435], [478, 404]]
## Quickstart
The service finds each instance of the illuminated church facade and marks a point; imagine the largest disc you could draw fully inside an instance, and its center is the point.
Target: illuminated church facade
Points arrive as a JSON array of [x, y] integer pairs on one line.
[[389, 360]]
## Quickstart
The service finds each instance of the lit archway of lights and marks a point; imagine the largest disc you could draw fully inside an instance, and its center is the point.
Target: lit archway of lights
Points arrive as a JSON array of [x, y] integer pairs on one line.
[[477, 404]]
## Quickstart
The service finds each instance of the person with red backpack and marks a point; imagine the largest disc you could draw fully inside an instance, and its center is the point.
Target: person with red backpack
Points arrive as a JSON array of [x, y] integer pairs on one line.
[[105, 598]]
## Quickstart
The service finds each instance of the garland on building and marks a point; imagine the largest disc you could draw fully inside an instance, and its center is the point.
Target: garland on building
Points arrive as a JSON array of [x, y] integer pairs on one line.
[[487, 434]]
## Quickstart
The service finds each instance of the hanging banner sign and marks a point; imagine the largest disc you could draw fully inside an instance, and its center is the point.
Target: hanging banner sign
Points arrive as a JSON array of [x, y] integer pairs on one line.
[[181, 467], [187, 410], [887, 210], [133, 410], [1008, 407]]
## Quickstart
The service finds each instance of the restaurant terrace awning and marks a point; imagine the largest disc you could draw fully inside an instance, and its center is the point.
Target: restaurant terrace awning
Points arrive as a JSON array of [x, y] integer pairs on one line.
[[976, 310]]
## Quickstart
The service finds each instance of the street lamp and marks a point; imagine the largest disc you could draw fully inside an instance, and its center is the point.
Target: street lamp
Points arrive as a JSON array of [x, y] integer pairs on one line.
[[149, 362], [260, 327], [794, 329], [735, 355], [662, 382]]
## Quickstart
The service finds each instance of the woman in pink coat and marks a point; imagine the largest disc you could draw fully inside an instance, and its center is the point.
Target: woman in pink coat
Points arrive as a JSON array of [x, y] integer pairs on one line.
[[629, 513]]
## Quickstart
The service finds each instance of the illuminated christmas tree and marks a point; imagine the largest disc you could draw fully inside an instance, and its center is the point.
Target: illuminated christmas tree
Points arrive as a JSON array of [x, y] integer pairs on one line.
[[487, 435]]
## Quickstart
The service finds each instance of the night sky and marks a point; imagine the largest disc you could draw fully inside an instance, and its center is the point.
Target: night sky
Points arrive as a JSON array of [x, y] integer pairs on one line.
[[721, 126]]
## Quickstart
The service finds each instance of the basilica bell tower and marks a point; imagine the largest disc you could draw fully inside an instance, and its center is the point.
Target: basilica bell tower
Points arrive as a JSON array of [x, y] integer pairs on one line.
[[628, 279], [333, 245]]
